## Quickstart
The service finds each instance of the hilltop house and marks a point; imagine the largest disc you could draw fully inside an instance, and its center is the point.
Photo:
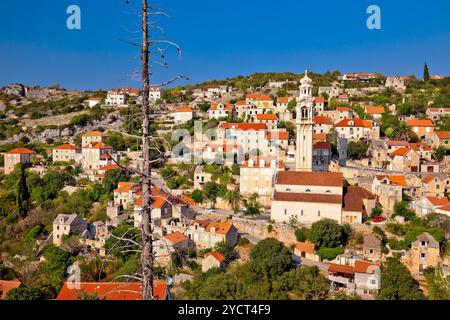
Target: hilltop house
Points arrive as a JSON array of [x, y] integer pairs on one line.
[[65, 224], [67, 152], [213, 260], [424, 253], [207, 233], [182, 114], [16, 156], [422, 128]]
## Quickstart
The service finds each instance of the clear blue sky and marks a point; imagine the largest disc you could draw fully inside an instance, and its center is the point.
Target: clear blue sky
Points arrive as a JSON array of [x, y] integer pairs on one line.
[[221, 38]]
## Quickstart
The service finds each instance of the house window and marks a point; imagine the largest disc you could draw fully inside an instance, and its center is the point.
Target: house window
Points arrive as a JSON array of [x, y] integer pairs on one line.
[[422, 255], [285, 211], [301, 212], [318, 213], [423, 243]]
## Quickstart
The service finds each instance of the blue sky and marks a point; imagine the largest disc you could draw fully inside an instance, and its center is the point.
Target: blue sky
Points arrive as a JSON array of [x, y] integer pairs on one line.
[[220, 39]]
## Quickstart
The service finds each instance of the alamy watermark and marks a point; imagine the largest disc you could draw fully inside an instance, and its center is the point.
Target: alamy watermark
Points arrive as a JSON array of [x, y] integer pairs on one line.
[[73, 22], [374, 20]]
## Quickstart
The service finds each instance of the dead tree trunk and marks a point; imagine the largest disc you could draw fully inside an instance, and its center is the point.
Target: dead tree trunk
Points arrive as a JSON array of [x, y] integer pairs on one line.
[[147, 241]]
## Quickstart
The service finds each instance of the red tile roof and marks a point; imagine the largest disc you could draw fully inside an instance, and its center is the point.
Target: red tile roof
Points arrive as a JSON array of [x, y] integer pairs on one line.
[[427, 179], [267, 117], [95, 134], [443, 134], [227, 106], [343, 109], [7, 285], [217, 255], [183, 109], [400, 151], [113, 290], [354, 199], [419, 123], [320, 136], [258, 97], [222, 227], [332, 179], [322, 145], [109, 167], [21, 151], [362, 266], [67, 147], [243, 126], [439, 201], [319, 99], [307, 197], [375, 110], [127, 187], [176, 237], [339, 268], [283, 99], [354, 123], [323, 120], [278, 135], [307, 247]]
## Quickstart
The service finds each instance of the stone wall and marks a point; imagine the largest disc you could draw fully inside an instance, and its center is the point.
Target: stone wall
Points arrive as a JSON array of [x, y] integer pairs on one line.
[[258, 229]]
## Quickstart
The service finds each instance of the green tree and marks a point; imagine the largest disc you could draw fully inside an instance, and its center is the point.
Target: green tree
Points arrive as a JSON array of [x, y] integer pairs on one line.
[[438, 284], [302, 234], [327, 233], [22, 193], [306, 283], [397, 282], [439, 153], [210, 191], [234, 199], [270, 258], [26, 294], [116, 141], [225, 248], [401, 209], [426, 73], [357, 149], [197, 196]]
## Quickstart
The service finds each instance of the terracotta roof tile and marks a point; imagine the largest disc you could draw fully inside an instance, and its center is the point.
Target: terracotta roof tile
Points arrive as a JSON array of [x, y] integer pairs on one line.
[[176, 237], [443, 134], [339, 268], [21, 151], [439, 201], [67, 147], [375, 110], [222, 227], [217, 255], [267, 117], [243, 126], [183, 109], [307, 197], [419, 123], [323, 120], [362, 266], [400, 151], [332, 179], [7, 285], [278, 135], [113, 290], [95, 134], [307, 247]]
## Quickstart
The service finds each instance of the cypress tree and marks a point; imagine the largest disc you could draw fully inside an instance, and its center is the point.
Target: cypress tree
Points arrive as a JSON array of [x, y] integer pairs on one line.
[[23, 194], [426, 73]]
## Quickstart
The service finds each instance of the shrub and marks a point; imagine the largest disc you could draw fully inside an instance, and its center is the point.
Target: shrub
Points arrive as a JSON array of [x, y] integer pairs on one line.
[[302, 234], [329, 253]]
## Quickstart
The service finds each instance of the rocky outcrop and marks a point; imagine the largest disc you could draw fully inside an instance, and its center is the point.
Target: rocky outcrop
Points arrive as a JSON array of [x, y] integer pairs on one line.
[[15, 89]]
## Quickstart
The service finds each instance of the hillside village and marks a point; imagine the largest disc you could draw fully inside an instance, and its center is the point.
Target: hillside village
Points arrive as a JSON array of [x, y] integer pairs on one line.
[[327, 185]]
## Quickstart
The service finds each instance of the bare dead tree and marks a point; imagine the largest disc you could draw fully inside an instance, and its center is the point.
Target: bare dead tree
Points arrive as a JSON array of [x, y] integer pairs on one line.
[[150, 46]]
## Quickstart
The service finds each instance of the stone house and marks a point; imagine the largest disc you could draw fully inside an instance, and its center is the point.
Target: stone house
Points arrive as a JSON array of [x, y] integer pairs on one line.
[[322, 124], [371, 249], [422, 128], [437, 113], [221, 110], [358, 204], [66, 152], [213, 260], [16, 156], [440, 138], [424, 253], [404, 159], [64, 224], [182, 114], [429, 204], [93, 137], [306, 250], [207, 233]]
